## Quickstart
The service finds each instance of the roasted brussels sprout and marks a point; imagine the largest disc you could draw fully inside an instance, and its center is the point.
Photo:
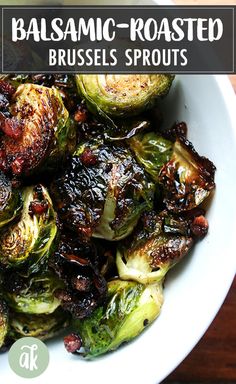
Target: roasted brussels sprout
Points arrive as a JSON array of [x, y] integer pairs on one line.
[[187, 179], [129, 309], [154, 249], [41, 326], [36, 128], [10, 201], [102, 192], [30, 240], [77, 265], [65, 83], [3, 321], [122, 95], [33, 295], [152, 151]]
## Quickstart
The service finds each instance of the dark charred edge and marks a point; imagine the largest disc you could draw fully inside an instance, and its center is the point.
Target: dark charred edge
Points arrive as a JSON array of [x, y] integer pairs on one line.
[[206, 166]]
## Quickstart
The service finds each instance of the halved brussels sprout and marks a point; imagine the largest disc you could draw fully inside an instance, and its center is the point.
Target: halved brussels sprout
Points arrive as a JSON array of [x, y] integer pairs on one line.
[[4, 320], [152, 151], [153, 250], [10, 201], [30, 240], [34, 295], [102, 192], [38, 128], [187, 179], [43, 326], [130, 308], [122, 95]]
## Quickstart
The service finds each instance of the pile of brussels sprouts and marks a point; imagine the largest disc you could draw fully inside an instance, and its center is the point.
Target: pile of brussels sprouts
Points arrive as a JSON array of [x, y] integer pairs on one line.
[[97, 203]]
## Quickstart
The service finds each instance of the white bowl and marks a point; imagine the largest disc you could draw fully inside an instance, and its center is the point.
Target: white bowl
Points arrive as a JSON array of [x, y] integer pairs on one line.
[[196, 288]]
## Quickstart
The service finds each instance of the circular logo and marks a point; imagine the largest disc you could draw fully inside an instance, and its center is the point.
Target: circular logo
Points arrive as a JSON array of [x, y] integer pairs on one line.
[[28, 357]]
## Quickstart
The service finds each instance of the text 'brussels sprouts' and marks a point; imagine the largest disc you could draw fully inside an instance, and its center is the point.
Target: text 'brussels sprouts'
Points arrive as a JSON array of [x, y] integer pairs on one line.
[[38, 128], [153, 250], [102, 192], [130, 308], [30, 239], [122, 95], [10, 201], [35, 295]]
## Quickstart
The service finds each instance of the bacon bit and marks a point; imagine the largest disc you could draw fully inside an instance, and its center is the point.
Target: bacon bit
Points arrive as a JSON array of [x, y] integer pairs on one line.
[[15, 182], [199, 226], [6, 88], [81, 283], [72, 343], [12, 128], [62, 295], [81, 115], [38, 207], [85, 232], [17, 166], [88, 158]]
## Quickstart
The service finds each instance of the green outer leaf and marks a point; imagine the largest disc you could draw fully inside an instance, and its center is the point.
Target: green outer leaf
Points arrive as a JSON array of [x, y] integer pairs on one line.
[[130, 307], [64, 143], [64, 140], [152, 151]]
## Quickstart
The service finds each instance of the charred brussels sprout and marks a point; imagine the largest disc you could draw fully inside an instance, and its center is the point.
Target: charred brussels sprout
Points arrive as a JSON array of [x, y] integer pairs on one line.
[[33, 295], [3, 321], [41, 326], [90, 127], [154, 249], [102, 192], [152, 151], [77, 265], [187, 179], [36, 128], [130, 308], [10, 201], [29, 241], [122, 95]]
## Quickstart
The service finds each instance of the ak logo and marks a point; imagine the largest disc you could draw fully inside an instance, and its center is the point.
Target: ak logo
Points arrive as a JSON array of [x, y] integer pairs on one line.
[[28, 357]]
